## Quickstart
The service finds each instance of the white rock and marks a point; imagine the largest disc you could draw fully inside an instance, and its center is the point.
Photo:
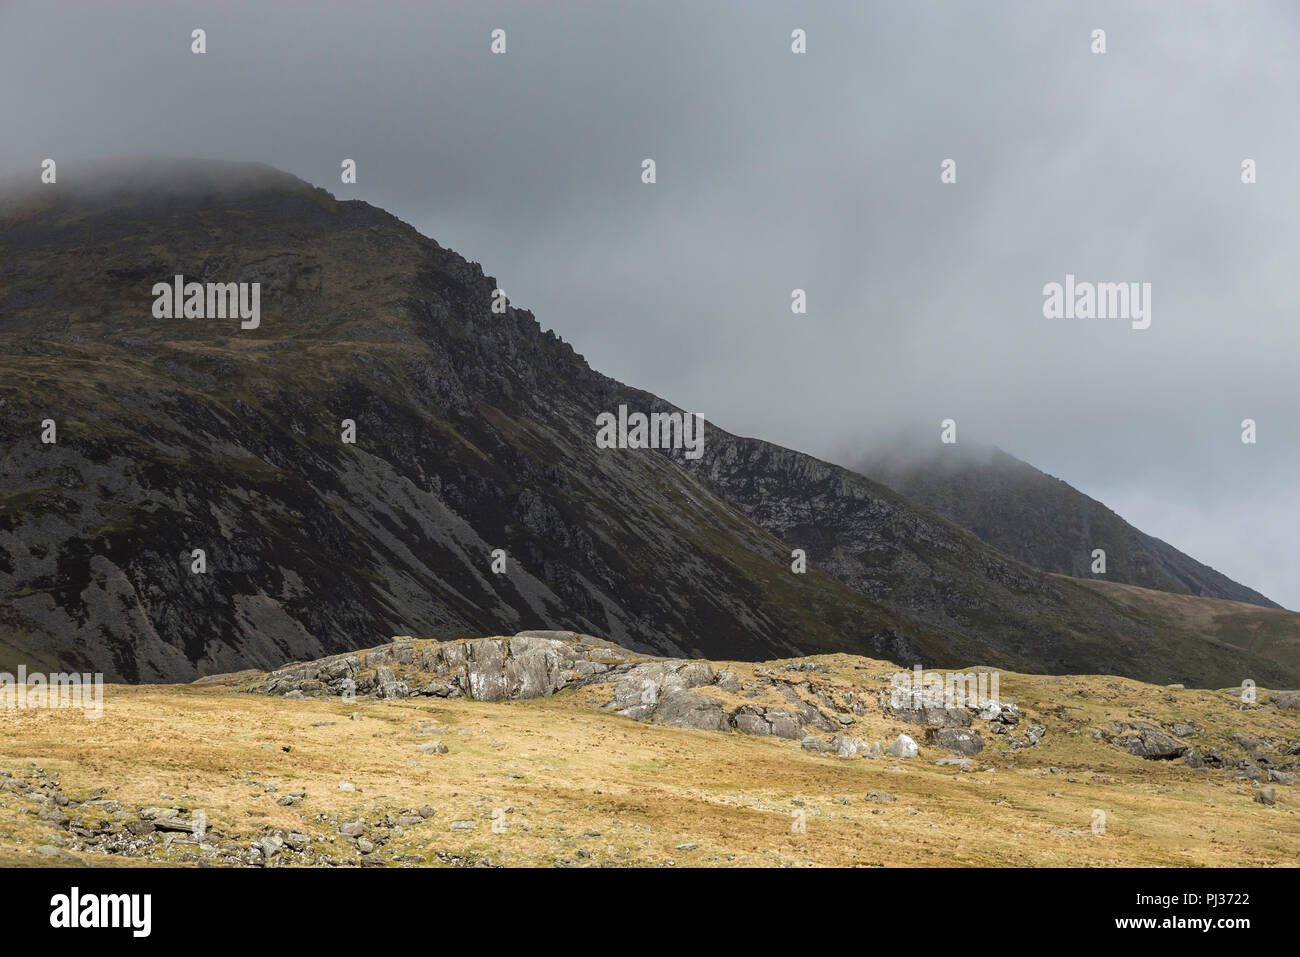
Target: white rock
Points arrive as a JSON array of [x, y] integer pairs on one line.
[[903, 747]]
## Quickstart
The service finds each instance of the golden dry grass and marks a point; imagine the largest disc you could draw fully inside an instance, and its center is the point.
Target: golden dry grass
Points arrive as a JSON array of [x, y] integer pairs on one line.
[[588, 787]]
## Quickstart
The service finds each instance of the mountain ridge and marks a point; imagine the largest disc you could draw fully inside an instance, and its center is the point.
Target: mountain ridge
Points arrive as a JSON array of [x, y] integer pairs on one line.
[[475, 432], [1042, 520]]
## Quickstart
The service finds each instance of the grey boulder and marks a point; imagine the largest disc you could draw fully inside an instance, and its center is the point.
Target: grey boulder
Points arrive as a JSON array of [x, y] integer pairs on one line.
[[686, 709], [961, 741], [902, 747]]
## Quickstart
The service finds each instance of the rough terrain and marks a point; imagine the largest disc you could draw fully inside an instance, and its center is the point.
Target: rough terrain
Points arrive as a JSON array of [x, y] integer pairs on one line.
[[566, 750]]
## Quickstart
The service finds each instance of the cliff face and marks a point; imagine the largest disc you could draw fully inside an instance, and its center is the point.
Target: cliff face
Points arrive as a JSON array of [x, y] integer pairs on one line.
[[474, 431]]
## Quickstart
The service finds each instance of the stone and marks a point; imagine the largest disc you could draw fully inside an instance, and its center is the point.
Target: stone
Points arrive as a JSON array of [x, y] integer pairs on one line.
[[1213, 759], [808, 714], [784, 724], [158, 813], [271, 845], [352, 828], [1147, 741], [1248, 742], [749, 722], [1250, 771], [1266, 796], [902, 747], [880, 797], [638, 693], [687, 709], [846, 746], [948, 717], [961, 741], [177, 824], [57, 853], [1001, 717], [728, 681], [966, 764]]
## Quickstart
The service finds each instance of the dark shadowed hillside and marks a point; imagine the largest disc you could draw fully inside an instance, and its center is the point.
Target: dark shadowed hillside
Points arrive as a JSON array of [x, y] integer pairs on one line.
[[1042, 521], [474, 431]]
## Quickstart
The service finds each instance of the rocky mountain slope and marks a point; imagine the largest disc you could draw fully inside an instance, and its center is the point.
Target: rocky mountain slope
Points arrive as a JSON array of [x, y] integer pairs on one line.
[[982, 605], [1042, 521], [474, 431]]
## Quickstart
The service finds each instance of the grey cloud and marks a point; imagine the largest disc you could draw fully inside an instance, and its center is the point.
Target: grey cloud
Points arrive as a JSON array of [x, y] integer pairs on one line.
[[819, 172]]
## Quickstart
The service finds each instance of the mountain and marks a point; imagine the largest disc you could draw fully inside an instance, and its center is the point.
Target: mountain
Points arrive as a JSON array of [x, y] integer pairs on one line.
[[475, 431], [1042, 521]]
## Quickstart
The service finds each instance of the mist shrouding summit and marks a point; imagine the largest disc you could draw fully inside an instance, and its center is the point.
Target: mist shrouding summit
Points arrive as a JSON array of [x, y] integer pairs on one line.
[[818, 172], [1040, 519], [383, 453]]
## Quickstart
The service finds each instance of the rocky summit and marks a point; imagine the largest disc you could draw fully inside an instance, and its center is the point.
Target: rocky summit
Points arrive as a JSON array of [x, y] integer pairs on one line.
[[392, 448]]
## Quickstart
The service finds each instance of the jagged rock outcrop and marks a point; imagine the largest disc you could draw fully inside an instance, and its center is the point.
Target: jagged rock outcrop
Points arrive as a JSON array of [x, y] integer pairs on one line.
[[675, 692], [1147, 741], [961, 741], [768, 721], [534, 664]]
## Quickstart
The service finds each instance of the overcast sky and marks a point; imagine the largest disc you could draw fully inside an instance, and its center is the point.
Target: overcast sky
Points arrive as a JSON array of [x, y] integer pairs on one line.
[[779, 171]]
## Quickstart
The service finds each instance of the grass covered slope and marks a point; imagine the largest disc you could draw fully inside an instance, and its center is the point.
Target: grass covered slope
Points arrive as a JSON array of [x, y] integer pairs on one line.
[[1188, 625], [579, 785]]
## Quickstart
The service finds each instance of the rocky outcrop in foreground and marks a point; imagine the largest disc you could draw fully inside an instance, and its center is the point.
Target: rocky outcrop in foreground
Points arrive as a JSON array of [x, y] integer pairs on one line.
[[795, 699], [414, 772], [784, 700]]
